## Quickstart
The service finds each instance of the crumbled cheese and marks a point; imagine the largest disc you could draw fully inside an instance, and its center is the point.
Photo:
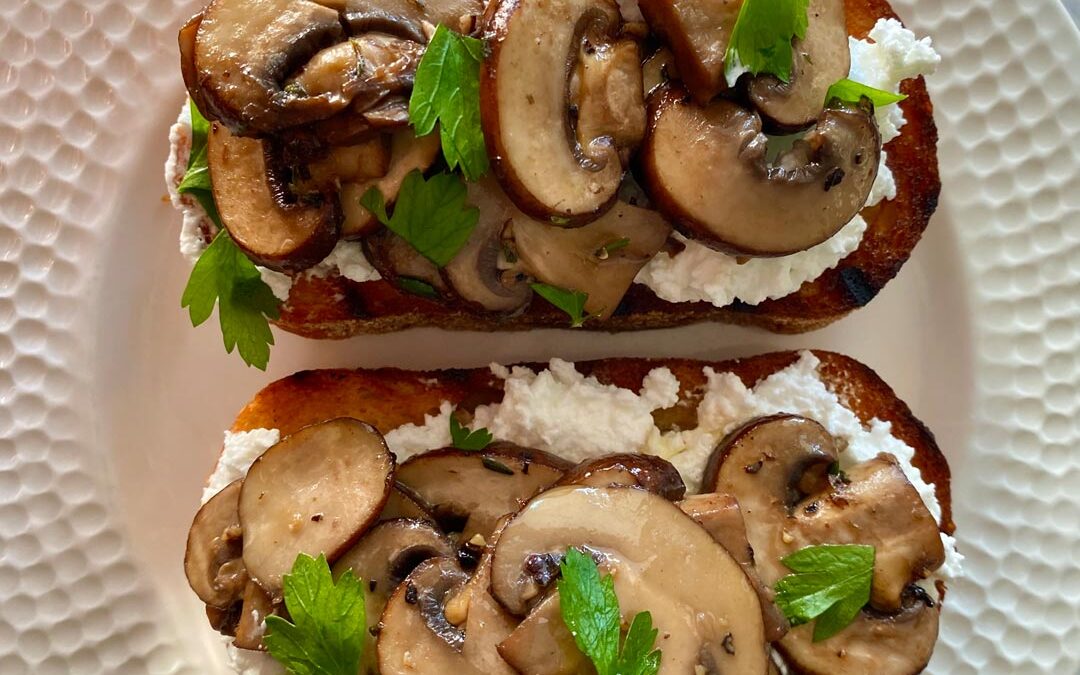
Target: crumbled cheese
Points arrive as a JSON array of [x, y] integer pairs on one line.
[[348, 260], [698, 273], [240, 450], [410, 439], [561, 410], [249, 662]]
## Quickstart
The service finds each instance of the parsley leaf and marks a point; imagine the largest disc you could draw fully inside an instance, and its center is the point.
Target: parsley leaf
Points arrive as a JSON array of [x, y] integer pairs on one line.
[[223, 275], [430, 214], [590, 610], [417, 287], [465, 439], [447, 90], [831, 583], [571, 302], [327, 633], [850, 91], [761, 38], [196, 181]]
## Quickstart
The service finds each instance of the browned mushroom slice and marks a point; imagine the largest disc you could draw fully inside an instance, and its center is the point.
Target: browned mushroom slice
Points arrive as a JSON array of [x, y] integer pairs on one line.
[[415, 637], [407, 153], [776, 468], [697, 32], [525, 86], [876, 505], [291, 237], [334, 71], [606, 90], [719, 514], [543, 645], [363, 161], [252, 625], [314, 492], [485, 622], [648, 472], [600, 259], [404, 18], [246, 49], [708, 612], [482, 273], [186, 42], [820, 59], [400, 263], [212, 562], [706, 168], [657, 70], [382, 559], [470, 490]]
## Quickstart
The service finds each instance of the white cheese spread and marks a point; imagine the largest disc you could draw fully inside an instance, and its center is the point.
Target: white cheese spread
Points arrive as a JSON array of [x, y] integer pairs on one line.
[[890, 55]]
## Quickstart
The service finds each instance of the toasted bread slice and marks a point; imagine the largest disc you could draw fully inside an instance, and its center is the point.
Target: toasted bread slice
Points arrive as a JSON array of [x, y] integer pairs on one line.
[[334, 307], [389, 398]]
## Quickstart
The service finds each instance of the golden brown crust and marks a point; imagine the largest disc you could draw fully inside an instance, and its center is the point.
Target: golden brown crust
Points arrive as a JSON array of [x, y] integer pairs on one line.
[[388, 398], [334, 307]]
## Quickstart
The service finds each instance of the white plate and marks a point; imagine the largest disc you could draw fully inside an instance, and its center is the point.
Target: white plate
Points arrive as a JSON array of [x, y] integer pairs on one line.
[[112, 407]]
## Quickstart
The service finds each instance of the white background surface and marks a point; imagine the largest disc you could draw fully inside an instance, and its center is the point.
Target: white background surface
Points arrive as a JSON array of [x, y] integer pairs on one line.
[[113, 407]]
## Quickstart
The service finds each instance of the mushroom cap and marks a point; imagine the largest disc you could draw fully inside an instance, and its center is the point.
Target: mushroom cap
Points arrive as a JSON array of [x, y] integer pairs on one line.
[[661, 561], [212, 561], [819, 59], [414, 636], [469, 491], [542, 644], [648, 472], [777, 469], [276, 235], [524, 105], [316, 491], [245, 50], [577, 258], [706, 169]]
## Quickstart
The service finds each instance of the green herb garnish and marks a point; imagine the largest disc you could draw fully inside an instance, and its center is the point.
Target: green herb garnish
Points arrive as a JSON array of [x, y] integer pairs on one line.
[[431, 214], [447, 91], [590, 610], [569, 301], [610, 247], [830, 583], [417, 287], [466, 439], [850, 91], [328, 628], [761, 38]]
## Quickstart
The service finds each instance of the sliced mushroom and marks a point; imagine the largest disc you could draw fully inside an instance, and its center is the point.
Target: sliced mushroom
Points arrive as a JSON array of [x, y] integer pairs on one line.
[[186, 40], [252, 624], [661, 561], [525, 90], [246, 49], [876, 505], [648, 472], [481, 272], [657, 70], [706, 168], [382, 559], [279, 236], [469, 491], [719, 514], [415, 637], [821, 58], [314, 492], [777, 469], [334, 71], [900, 642], [543, 645], [363, 161], [486, 623], [397, 261], [698, 34], [404, 18], [212, 562], [407, 153], [600, 259]]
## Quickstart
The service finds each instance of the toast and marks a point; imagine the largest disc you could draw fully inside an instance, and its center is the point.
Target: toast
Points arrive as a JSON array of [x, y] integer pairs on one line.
[[334, 307], [388, 398]]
